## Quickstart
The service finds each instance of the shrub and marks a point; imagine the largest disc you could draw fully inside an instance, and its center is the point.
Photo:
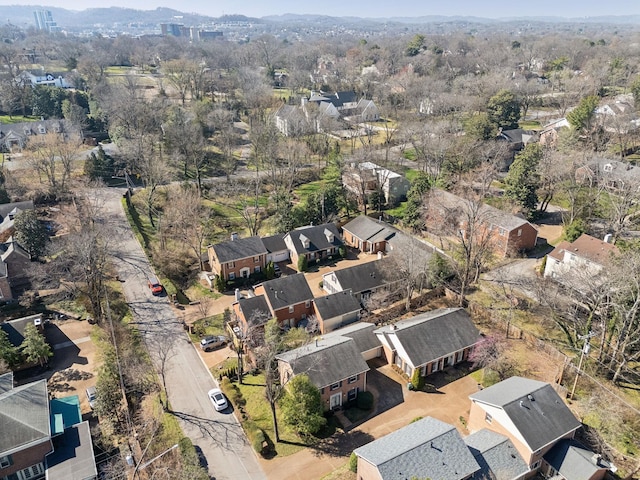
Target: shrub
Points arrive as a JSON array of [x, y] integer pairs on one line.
[[353, 463], [302, 263], [417, 419], [365, 400], [342, 250], [258, 440], [417, 380], [220, 284]]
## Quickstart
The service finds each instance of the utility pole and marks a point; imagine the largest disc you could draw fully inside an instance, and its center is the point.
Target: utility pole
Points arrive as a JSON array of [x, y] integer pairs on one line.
[[585, 351]]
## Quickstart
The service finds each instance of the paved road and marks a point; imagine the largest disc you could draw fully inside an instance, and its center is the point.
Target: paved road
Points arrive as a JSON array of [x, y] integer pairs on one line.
[[219, 434]]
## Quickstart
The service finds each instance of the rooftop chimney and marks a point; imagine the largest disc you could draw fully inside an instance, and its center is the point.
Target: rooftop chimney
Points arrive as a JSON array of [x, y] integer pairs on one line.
[[234, 236]]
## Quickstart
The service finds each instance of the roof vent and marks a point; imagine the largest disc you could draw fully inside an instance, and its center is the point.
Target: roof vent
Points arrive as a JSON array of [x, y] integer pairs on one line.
[[530, 397]]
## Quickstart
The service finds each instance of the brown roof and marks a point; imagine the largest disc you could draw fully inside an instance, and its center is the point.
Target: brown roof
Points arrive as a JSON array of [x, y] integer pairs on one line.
[[586, 246]]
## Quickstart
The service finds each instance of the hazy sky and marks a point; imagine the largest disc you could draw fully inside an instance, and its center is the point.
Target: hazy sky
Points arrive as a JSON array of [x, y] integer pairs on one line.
[[368, 8]]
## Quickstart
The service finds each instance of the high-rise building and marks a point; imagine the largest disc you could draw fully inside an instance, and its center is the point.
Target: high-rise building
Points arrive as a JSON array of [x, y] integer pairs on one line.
[[44, 21]]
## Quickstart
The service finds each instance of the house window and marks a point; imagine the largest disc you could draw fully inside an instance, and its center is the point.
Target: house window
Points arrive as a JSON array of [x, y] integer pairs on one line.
[[488, 418], [232, 276], [352, 394], [231, 265], [353, 379], [5, 461], [256, 259], [519, 232], [42, 130], [290, 308], [256, 269], [535, 465], [502, 232], [335, 386], [307, 304]]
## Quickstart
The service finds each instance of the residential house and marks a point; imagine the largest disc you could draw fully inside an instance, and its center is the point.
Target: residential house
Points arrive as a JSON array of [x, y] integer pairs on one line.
[[429, 342], [8, 212], [367, 234], [277, 250], [366, 111], [40, 77], [551, 131], [570, 460], [315, 242], [14, 262], [365, 178], [505, 233], [529, 412], [336, 310], [427, 448], [42, 437], [252, 312], [577, 264], [362, 280], [363, 333], [14, 136], [333, 364], [496, 455], [15, 328], [343, 102], [289, 298], [238, 257], [291, 120], [516, 139], [609, 173]]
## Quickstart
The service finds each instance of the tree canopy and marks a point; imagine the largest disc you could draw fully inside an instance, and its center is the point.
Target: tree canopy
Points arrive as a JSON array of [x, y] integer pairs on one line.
[[301, 406]]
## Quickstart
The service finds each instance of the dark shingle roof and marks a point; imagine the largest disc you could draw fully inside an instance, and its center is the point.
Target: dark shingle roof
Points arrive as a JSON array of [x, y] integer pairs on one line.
[[427, 448], [573, 460], [327, 360], [362, 334], [15, 328], [496, 455], [238, 249], [317, 235], [287, 290], [366, 228], [429, 336], [341, 303], [24, 415], [364, 277], [534, 408], [255, 310], [7, 208], [274, 243]]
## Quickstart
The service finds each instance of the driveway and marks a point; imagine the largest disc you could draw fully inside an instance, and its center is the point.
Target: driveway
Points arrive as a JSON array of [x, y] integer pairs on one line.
[[218, 434]]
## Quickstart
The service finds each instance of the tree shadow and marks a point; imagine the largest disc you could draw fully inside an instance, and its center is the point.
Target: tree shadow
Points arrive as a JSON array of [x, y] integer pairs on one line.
[[341, 444], [225, 434]]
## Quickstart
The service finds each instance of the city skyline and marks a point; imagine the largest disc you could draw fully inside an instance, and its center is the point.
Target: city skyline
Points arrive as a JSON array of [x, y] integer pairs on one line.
[[370, 9]]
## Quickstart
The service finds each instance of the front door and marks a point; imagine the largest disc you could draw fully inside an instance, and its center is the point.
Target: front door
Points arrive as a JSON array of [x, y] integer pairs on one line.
[[335, 400]]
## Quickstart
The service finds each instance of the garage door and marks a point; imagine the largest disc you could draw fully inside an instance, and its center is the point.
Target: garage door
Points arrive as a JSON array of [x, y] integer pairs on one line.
[[371, 354], [279, 256]]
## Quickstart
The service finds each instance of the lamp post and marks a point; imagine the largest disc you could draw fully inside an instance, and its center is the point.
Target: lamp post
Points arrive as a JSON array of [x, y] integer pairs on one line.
[[585, 351]]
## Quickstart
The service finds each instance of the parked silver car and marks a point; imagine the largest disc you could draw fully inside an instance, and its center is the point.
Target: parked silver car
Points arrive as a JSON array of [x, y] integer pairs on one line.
[[212, 342]]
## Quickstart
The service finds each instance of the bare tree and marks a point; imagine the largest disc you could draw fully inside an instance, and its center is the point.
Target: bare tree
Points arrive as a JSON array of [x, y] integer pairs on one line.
[[49, 150]]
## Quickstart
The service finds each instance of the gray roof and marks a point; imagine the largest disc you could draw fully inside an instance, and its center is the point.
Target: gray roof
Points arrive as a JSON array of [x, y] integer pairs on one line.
[[341, 303], [327, 360], [362, 334], [432, 335], [274, 243], [238, 249], [574, 461], [534, 407], [427, 448], [6, 382], [7, 208], [255, 310], [486, 213], [496, 455], [366, 228], [317, 238], [15, 328], [364, 277], [72, 458], [24, 416], [287, 290], [517, 135]]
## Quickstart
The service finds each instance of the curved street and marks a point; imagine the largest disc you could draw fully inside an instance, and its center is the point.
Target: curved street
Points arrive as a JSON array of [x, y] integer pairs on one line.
[[219, 434]]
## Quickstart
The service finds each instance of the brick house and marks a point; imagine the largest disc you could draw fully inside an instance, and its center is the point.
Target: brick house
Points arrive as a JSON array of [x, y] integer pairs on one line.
[[367, 234], [336, 310], [529, 412], [315, 242], [289, 298], [333, 364], [430, 341], [238, 257], [505, 233]]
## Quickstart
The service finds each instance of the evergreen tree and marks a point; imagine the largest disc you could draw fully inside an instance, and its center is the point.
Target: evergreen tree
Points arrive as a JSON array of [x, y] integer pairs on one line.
[[522, 181], [503, 110], [34, 347], [8, 352], [30, 233], [301, 406]]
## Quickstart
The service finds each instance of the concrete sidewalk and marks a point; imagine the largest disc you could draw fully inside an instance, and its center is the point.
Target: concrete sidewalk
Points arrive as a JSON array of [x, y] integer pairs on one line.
[[449, 404]]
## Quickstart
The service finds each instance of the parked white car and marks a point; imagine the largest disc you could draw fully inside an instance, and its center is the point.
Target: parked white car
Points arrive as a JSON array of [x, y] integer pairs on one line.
[[218, 399]]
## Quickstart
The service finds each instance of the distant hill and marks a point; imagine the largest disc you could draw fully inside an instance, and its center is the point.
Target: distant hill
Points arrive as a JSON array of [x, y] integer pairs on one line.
[[22, 16]]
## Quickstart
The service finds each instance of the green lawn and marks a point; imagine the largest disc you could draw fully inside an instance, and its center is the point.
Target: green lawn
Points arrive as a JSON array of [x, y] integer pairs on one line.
[[307, 189], [212, 325], [6, 119], [259, 412]]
